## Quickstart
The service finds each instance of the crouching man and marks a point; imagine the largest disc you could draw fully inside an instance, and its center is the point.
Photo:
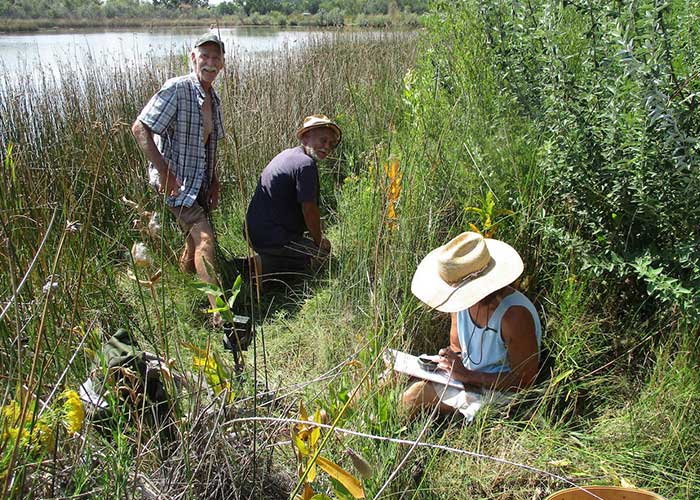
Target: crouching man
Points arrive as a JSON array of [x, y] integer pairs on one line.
[[285, 204]]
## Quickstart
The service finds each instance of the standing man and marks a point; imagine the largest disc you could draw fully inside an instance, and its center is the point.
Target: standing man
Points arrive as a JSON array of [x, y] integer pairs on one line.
[[285, 203], [178, 130]]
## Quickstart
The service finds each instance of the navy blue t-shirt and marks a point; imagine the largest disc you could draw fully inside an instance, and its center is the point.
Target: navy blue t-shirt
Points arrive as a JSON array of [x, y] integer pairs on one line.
[[274, 215]]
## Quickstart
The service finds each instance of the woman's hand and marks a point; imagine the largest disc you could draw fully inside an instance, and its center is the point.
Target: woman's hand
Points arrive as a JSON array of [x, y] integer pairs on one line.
[[451, 362]]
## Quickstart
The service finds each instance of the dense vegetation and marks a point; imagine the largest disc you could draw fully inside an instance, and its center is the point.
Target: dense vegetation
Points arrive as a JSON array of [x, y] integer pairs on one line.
[[569, 130]]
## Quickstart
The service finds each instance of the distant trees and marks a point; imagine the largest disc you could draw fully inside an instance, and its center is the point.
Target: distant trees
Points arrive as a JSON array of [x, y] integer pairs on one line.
[[48, 8], [259, 6], [348, 7], [174, 4], [228, 8], [92, 9]]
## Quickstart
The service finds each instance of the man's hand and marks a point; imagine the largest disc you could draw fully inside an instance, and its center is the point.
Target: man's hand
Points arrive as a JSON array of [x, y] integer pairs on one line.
[[448, 352], [169, 183], [325, 246], [312, 218], [214, 192]]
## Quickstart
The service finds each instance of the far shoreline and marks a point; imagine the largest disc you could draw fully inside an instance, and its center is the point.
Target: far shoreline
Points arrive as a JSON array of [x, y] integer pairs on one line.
[[28, 26]]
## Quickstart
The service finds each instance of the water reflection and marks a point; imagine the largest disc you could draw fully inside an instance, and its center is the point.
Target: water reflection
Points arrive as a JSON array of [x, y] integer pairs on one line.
[[24, 56]]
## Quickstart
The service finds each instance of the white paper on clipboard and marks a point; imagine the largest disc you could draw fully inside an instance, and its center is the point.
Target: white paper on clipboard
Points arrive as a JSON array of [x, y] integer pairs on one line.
[[408, 364]]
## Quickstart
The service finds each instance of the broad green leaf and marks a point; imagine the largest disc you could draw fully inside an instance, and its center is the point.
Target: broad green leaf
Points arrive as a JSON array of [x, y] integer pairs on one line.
[[207, 288], [350, 482], [300, 445], [341, 493], [320, 496], [237, 285], [217, 310]]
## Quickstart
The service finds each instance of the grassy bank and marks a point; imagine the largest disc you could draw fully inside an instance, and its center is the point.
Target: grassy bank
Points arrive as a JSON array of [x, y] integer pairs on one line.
[[31, 25], [399, 20], [515, 103]]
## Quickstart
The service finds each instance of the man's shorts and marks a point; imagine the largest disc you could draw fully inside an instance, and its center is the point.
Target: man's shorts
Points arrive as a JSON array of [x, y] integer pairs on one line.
[[187, 217]]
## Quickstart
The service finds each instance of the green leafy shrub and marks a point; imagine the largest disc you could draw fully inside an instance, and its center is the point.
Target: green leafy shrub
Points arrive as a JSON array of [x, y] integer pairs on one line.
[[596, 106]]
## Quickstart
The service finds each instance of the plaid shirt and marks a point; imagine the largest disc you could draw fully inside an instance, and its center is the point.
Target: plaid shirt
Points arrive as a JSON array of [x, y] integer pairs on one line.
[[174, 115]]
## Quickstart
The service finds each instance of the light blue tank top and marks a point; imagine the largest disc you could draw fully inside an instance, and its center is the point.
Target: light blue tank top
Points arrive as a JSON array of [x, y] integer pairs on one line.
[[483, 348]]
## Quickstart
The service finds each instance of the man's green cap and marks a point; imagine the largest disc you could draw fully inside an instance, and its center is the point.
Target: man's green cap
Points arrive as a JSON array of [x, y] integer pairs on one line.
[[210, 38]]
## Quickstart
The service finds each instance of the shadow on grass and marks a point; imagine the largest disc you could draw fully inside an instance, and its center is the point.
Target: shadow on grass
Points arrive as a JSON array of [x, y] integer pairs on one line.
[[278, 293]]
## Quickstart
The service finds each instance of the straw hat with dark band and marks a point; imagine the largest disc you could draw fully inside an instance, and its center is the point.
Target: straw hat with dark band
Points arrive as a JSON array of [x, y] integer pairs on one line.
[[318, 121], [468, 268]]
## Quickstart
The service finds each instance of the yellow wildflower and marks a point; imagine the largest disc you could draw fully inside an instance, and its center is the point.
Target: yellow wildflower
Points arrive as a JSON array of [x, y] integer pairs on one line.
[[10, 420], [73, 411], [11, 412], [42, 438], [10, 434], [394, 192], [39, 439]]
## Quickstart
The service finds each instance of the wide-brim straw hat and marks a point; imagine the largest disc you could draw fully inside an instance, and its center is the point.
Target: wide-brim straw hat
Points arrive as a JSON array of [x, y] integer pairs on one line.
[[319, 121], [465, 270]]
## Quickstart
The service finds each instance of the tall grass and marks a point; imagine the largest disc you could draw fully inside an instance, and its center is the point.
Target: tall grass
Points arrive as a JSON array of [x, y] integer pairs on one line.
[[68, 159]]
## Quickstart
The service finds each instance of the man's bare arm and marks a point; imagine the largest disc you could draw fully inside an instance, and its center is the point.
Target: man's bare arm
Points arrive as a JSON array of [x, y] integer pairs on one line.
[[312, 218], [144, 138]]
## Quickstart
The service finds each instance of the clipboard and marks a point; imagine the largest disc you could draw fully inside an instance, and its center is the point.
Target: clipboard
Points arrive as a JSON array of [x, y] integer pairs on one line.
[[408, 364]]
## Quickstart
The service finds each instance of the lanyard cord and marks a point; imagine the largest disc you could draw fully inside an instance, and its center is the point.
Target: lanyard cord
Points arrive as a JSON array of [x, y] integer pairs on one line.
[[481, 341]]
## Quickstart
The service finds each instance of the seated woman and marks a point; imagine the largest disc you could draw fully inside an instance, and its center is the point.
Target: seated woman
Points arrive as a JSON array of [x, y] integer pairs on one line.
[[495, 334]]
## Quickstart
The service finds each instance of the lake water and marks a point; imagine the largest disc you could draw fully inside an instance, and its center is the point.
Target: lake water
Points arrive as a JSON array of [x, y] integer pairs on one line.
[[23, 56]]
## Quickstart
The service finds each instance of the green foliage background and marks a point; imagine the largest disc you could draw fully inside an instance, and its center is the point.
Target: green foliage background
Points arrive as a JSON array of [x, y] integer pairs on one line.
[[593, 107]]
